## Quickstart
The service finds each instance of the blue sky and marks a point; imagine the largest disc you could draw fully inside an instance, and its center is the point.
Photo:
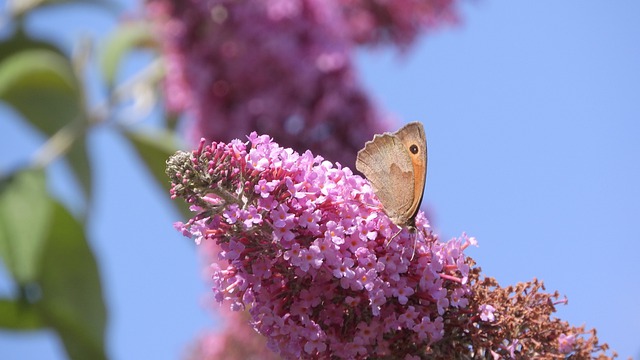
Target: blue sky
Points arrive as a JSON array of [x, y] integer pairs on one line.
[[532, 115]]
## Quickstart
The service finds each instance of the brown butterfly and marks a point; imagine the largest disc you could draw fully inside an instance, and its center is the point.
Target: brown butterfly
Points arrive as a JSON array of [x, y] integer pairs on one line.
[[396, 166]]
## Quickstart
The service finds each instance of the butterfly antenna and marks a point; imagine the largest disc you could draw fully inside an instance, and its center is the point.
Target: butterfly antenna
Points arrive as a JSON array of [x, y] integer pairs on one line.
[[421, 232], [415, 241], [415, 245], [393, 237]]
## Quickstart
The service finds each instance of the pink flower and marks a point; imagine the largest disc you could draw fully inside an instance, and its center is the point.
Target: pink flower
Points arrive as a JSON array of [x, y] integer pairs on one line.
[[264, 187], [309, 219], [513, 347], [458, 299], [566, 343], [311, 257], [232, 213], [345, 269], [325, 291], [396, 22], [334, 233], [251, 217], [403, 292], [486, 313], [281, 217]]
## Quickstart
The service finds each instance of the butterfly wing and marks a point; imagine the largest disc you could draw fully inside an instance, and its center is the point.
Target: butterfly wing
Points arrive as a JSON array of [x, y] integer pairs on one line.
[[414, 142], [388, 167]]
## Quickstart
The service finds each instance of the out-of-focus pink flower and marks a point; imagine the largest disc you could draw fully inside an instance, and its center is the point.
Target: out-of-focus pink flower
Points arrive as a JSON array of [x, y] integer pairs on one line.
[[238, 341], [329, 290], [397, 22], [283, 67]]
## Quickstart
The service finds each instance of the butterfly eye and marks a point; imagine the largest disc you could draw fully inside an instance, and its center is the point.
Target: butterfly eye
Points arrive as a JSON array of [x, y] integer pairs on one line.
[[414, 149]]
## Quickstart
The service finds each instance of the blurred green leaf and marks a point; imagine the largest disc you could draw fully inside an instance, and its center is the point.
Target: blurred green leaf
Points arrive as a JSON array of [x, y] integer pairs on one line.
[[171, 119], [72, 300], [23, 7], [20, 41], [78, 159], [41, 86], [18, 315], [126, 37], [155, 147], [25, 218]]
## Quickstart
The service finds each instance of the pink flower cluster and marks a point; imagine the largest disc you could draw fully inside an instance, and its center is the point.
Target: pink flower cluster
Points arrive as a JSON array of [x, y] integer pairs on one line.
[[303, 246], [282, 67], [238, 341], [398, 21]]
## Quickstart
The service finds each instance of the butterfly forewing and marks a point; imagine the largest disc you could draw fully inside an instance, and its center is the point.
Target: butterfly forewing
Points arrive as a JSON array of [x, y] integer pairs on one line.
[[386, 164], [415, 144]]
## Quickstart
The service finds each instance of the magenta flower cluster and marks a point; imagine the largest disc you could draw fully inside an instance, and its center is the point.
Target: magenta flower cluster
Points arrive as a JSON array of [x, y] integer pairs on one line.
[[283, 67], [304, 246], [398, 22]]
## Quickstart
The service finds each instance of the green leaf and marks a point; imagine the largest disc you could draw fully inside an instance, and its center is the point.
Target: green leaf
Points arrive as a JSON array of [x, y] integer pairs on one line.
[[127, 37], [26, 6], [25, 217], [41, 86], [19, 315], [20, 41], [172, 120], [78, 159], [155, 147], [72, 301]]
